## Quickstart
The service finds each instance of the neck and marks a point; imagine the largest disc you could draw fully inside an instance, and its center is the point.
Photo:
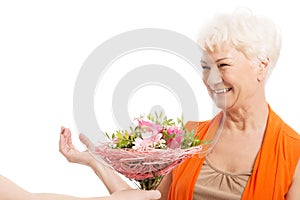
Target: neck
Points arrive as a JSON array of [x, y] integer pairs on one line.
[[247, 119]]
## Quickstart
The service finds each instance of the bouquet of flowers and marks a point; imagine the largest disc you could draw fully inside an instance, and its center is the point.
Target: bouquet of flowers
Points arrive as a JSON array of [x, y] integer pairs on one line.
[[150, 149]]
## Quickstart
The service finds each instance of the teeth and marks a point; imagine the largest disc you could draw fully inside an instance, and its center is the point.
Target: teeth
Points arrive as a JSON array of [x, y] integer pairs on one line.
[[221, 90]]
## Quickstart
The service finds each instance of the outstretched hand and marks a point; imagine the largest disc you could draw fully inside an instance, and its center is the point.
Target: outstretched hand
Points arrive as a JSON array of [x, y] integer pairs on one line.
[[113, 182], [72, 154], [136, 195]]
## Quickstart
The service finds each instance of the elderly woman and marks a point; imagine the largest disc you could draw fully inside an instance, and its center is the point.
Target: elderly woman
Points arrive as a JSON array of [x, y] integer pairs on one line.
[[257, 154]]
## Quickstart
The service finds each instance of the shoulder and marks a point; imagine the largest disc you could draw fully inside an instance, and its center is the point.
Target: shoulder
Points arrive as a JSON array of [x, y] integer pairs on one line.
[[291, 133], [201, 127], [286, 131], [289, 138], [194, 125]]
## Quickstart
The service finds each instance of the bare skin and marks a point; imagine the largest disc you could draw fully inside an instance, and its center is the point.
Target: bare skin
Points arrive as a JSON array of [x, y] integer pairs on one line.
[[246, 110], [11, 191], [109, 177]]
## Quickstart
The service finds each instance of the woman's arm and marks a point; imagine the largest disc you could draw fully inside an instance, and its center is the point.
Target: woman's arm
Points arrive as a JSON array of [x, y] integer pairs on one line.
[[109, 177], [294, 191], [11, 191], [164, 186]]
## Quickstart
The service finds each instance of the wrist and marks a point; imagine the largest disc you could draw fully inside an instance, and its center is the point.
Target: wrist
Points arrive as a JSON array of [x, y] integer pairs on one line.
[[97, 166]]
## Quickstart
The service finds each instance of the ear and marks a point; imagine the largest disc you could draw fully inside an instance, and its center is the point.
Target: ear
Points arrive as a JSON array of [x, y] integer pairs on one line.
[[263, 69]]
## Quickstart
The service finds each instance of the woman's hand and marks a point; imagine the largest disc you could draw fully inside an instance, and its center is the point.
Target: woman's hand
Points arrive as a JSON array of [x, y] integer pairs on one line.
[[136, 195], [72, 154], [108, 176]]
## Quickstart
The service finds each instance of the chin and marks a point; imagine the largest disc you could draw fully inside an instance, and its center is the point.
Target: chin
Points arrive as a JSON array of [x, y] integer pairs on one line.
[[222, 107], [221, 103]]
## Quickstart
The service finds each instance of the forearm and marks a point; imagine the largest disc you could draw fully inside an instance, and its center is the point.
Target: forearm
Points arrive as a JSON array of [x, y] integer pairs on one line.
[[164, 186], [50, 196], [109, 177], [11, 191]]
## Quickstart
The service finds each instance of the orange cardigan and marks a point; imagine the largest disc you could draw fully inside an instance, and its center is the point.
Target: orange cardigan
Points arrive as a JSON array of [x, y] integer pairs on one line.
[[273, 170]]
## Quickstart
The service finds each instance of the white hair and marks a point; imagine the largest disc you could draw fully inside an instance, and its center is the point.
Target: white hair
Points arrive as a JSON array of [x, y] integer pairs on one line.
[[257, 37]]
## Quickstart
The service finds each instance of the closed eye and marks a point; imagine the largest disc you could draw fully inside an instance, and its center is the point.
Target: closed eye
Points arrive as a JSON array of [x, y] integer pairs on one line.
[[223, 65], [205, 67]]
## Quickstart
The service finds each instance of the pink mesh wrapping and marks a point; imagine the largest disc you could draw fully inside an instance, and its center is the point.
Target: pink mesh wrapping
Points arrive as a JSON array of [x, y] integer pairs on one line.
[[142, 164]]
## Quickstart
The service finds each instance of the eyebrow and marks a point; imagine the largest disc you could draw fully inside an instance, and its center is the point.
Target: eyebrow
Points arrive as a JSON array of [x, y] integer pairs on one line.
[[202, 61], [222, 59]]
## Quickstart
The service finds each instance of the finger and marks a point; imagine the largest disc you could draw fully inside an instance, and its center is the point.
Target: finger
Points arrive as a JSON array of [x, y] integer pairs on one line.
[[61, 137], [84, 140], [62, 129], [66, 132], [68, 136], [70, 143], [152, 194], [62, 144], [65, 141]]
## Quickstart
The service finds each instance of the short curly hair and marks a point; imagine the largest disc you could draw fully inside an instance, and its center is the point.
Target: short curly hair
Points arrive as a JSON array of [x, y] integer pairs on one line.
[[257, 37]]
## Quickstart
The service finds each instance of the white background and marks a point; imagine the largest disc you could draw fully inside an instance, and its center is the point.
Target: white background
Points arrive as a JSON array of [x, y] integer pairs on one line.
[[42, 47]]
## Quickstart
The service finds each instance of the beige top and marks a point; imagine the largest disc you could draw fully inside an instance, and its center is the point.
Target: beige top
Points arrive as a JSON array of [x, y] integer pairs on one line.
[[214, 184]]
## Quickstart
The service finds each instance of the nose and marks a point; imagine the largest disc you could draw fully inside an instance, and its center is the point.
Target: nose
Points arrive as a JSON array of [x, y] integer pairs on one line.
[[214, 77]]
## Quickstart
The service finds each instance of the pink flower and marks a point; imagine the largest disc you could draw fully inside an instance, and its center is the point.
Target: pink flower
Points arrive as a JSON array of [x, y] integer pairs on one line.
[[148, 140], [149, 126], [150, 136], [176, 137], [174, 130], [144, 123], [138, 144]]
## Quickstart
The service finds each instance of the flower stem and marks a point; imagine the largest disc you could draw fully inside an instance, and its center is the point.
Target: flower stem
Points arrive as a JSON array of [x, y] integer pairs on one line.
[[150, 183]]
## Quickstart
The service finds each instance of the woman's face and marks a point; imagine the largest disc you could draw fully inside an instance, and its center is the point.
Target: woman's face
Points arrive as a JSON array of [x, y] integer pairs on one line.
[[230, 77]]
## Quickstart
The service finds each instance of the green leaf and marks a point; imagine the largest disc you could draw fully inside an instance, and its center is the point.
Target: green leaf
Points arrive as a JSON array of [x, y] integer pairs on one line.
[[119, 135], [126, 135], [178, 120], [106, 134]]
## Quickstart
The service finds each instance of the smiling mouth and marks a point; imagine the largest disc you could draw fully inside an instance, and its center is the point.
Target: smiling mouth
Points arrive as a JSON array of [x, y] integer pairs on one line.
[[221, 91]]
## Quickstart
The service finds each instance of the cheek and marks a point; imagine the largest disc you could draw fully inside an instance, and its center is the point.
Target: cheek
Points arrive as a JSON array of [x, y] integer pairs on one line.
[[207, 88], [204, 80]]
